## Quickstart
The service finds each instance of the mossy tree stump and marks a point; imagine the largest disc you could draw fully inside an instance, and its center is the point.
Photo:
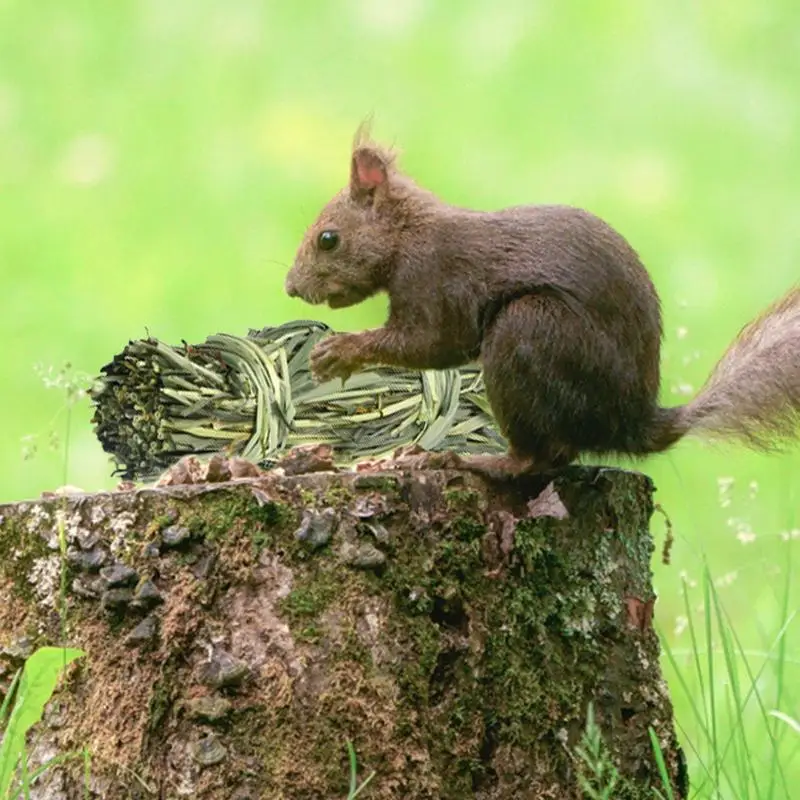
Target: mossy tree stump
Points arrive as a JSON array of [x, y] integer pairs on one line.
[[238, 634]]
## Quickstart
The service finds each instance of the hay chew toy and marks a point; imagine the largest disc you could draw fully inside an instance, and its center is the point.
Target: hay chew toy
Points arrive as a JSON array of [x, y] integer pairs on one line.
[[253, 396]]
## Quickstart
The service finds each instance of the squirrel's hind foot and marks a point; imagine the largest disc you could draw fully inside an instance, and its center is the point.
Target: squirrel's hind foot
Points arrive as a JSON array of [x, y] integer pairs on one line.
[[501, 467]]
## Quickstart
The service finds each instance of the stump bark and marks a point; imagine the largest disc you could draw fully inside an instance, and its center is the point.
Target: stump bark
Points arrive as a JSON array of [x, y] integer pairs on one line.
[[239, 634]]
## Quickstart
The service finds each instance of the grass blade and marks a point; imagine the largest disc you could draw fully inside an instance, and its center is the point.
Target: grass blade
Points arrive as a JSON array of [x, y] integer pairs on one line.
[[660, 763], [779, 668], [786, 719], [6, 706], [355, 788], [353, 768], [37, 684], [744, 759], [39, 771], [712, 705], [764, 713]]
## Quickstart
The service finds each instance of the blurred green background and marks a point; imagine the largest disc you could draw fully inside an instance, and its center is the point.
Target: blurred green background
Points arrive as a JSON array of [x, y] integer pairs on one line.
[[160, 160]]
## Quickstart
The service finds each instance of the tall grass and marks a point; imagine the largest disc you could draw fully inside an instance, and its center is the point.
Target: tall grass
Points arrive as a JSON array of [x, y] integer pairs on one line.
[[739, 740]]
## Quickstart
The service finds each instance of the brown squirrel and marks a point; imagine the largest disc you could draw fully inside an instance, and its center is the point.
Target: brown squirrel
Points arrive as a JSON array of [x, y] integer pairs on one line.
[[552, 301]]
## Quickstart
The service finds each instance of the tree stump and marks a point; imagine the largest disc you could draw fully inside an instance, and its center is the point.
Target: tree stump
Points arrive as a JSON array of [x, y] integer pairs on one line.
[[238, 634]]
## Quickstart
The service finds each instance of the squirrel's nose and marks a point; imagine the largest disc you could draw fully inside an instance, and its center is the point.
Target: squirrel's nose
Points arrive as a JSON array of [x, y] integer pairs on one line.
[[291, 288]]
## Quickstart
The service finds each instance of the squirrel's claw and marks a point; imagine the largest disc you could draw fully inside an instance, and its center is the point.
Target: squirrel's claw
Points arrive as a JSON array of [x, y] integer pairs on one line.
[[335, 357]]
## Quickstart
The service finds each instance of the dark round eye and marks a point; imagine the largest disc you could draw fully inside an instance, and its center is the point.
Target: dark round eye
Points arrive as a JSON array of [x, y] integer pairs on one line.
[[328, 240]]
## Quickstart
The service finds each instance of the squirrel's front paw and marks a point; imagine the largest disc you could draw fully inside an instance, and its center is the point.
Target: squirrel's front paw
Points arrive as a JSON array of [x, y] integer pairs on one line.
[[337, 356]]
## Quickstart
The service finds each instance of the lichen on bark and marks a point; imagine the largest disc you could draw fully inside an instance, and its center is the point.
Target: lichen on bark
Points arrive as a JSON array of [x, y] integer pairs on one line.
[[455, 631]]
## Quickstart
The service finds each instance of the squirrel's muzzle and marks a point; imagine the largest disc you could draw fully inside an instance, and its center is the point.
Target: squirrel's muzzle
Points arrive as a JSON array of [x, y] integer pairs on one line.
[[290, 286]]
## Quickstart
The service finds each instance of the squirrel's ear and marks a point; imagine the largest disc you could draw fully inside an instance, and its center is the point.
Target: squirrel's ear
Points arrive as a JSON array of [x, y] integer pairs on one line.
[[369, 172]]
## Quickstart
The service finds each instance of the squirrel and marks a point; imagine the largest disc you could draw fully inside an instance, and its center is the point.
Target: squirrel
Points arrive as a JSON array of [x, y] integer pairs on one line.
[[554, 304]]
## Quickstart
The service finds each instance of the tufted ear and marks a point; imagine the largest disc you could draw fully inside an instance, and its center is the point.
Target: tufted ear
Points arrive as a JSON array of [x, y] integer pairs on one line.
[[369, 172]]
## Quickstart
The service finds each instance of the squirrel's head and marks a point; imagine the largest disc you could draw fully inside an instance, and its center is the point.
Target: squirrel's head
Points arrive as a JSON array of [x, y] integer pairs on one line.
[[347, 254]]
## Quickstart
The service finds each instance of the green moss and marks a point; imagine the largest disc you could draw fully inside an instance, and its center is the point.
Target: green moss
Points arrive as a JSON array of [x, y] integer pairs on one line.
[[317, 583], [186, 558], [385, 484], [310, 634], [164, 520], [530, 542], [307, 497], [213, 519], [307, 601], [458, 499], [274, 513], [20, 549], [352, 649], [468, 529], [163, 697], [338, 494], [464, 506], [216, 518], [425, 642], [262, 539]]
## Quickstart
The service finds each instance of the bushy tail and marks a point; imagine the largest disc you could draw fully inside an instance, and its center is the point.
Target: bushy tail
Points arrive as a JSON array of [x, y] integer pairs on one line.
[[753, 394]]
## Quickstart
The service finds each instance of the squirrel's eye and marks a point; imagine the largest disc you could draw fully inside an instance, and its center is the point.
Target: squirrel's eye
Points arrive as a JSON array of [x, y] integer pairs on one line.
[[328, 240]]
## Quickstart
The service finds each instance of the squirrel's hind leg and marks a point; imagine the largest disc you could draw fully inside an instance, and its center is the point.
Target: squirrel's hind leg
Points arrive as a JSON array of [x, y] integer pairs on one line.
[[513, 465], [559, 383]]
